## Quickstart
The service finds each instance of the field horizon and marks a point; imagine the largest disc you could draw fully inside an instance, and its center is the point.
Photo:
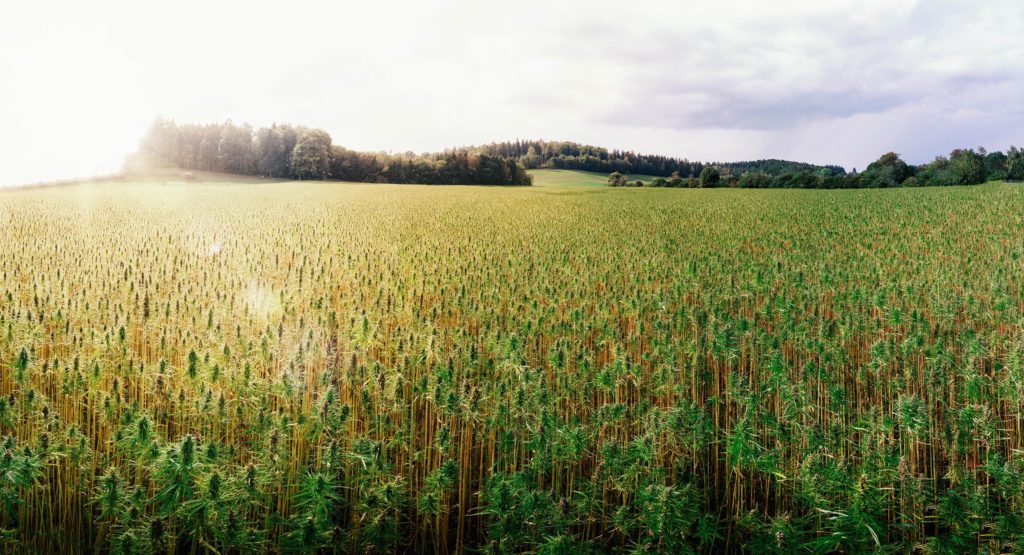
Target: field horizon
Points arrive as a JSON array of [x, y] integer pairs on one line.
[[179, 176], [543, 178]]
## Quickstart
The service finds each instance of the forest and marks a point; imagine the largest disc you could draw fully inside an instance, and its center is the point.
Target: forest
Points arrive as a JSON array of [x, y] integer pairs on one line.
[[296, 152], [566, 155], [961, 167], [303, 153]]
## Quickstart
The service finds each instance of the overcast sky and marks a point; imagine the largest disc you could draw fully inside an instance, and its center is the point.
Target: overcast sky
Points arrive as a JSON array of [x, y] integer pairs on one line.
[[838, 81]]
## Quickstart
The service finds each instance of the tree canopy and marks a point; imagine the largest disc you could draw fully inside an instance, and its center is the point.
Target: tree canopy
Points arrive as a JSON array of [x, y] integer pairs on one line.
[[1015, 164], [567, 155], [961, 167], [284, 151]]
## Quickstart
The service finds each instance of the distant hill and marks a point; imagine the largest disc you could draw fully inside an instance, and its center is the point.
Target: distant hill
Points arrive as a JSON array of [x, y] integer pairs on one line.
[[568, 155]]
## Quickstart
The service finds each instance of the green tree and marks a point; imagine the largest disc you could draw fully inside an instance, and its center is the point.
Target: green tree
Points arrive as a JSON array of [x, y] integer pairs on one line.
[[710, 177], [936, 172], [208, 157], [755, 180], [995, 165], [162, 144], [674, 180], [1015, 164], [235, 148], [616, 179], [311, 157], [491, 170], [967, 167], [888, 171], [273, 147]]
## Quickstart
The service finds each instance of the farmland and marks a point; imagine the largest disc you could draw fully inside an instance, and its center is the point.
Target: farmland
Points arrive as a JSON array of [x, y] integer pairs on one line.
[[293, 367]]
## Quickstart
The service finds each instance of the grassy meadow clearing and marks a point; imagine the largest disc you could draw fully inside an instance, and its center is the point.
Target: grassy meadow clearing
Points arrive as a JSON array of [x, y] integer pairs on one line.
[[572, 179], [303, 367]]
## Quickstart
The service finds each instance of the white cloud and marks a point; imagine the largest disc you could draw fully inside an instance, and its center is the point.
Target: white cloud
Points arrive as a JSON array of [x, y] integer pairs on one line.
[[838, 82]]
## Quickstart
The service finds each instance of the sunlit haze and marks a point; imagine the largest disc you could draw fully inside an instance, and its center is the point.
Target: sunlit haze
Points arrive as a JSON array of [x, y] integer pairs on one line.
[[80, 82]]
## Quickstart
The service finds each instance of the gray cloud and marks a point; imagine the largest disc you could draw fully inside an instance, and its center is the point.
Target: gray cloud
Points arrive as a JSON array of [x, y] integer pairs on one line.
[[721, 107], [795, 69], [837, 82]]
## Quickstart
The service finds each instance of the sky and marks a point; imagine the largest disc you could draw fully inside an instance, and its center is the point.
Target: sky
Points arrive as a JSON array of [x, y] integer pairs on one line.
[[836, 81]]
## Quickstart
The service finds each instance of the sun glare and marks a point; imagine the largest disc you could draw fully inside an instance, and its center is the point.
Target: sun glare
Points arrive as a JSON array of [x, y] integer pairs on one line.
[[261, 301]]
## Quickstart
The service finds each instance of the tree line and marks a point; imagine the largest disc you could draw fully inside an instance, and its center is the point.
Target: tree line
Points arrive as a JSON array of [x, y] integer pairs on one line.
[[296, 152], [568, 155], [961, 167]]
